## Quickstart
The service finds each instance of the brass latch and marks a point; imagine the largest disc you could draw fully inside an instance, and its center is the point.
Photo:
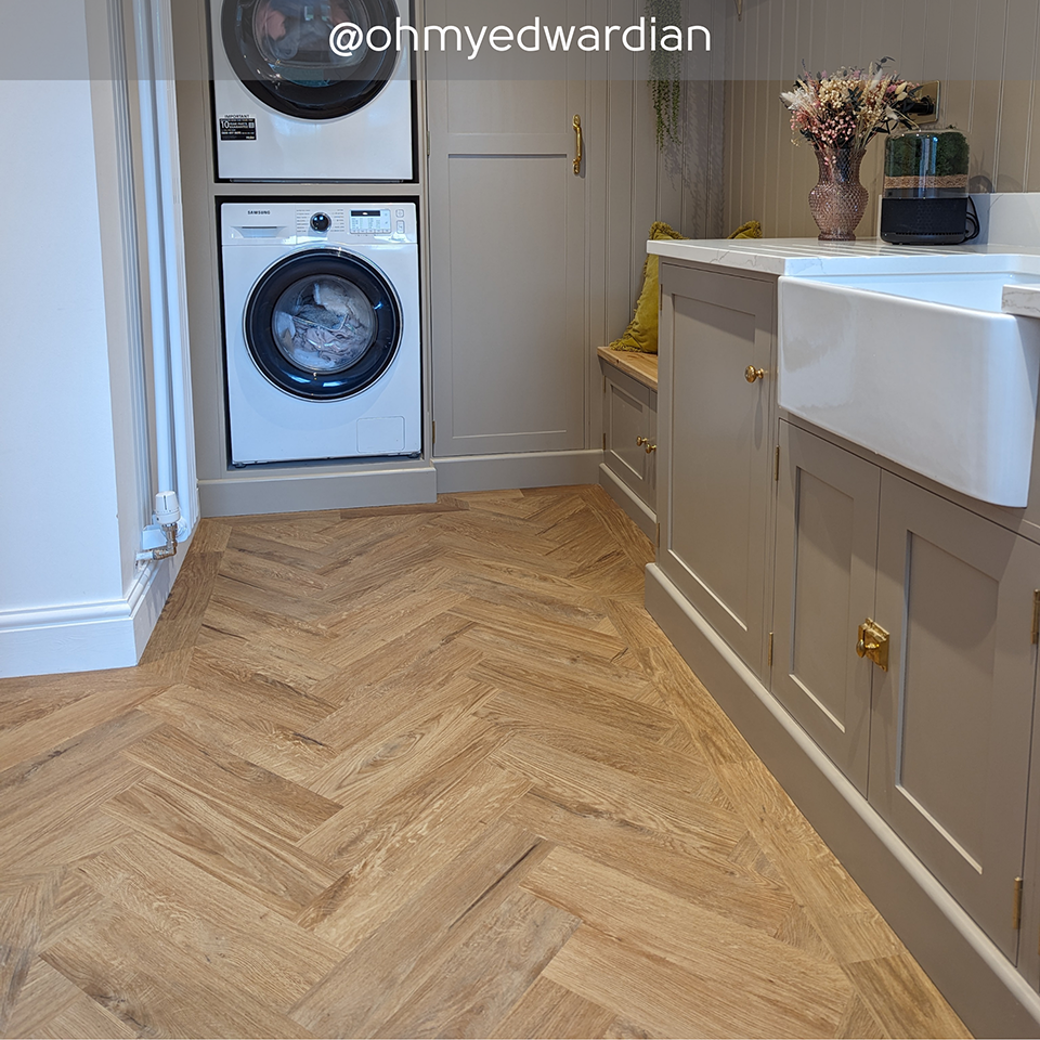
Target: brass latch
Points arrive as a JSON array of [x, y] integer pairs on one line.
[[873, 643]]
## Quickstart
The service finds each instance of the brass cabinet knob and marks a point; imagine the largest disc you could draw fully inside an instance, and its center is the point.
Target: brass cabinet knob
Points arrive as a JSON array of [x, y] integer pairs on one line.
[[753, 375]]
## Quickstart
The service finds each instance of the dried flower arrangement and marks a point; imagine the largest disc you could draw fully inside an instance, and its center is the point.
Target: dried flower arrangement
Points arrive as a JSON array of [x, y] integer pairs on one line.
[[847, 108], [839, 114]]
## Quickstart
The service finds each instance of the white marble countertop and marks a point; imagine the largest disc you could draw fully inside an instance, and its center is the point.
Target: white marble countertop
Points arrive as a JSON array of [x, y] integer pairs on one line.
[[1022, 300], [806, 257]]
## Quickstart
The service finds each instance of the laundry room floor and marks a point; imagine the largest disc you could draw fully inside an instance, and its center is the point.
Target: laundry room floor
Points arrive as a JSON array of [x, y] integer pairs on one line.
[[419, 772]]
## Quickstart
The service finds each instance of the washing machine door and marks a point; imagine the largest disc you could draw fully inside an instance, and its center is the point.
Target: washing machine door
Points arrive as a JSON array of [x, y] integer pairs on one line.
[[323, 324], [282, 52]]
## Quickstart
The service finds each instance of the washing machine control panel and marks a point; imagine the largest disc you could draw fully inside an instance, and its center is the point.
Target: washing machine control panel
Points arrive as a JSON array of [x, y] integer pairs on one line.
[[370, 222]]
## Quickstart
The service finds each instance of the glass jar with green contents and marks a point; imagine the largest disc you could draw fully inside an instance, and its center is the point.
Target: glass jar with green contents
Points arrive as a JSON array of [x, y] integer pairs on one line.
[[926, 199], [926, 164]]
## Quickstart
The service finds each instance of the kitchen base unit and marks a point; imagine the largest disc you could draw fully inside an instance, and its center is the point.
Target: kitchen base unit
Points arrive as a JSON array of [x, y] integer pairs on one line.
[[872, 634]]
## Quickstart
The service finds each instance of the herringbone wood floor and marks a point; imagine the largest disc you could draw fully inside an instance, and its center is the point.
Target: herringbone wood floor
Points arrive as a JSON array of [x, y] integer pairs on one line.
[[415, 772]]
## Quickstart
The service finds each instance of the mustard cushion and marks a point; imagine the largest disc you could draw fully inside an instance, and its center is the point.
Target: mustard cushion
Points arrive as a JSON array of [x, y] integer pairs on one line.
[[641, 333]]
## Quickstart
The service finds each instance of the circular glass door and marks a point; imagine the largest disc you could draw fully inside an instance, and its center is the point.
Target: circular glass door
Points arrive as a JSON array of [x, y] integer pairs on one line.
[[322, 325], [282, 53]]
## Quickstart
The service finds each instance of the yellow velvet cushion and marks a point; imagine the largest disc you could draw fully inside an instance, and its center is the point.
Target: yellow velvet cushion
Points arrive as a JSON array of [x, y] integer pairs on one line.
[[641, 333]]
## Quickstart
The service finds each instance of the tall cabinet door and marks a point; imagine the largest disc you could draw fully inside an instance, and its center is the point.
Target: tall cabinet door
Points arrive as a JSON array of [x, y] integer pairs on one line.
[[716, 440], [508, 237], [826, 551], [953, 714]]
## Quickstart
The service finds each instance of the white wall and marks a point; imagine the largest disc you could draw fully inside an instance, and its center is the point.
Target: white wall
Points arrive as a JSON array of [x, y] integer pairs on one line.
[[74, 488]]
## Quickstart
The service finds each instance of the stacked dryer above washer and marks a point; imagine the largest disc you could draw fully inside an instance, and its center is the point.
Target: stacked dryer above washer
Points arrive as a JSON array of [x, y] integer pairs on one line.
[[288, 107]]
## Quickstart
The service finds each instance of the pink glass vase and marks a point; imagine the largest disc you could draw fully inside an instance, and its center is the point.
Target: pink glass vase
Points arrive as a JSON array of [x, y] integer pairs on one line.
[[838, 201]]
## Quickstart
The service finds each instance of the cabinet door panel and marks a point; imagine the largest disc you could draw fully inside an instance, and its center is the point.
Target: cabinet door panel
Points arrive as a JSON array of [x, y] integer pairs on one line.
[[953, 715], [715, 432], [826, 555], [630, 414], [507, 229]]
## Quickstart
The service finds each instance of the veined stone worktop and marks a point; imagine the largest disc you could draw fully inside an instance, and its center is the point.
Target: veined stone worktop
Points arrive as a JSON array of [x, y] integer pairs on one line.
[[806, 257]]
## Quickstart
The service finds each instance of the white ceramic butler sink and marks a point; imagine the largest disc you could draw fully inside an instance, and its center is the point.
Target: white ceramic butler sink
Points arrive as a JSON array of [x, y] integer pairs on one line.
[[923, 369]]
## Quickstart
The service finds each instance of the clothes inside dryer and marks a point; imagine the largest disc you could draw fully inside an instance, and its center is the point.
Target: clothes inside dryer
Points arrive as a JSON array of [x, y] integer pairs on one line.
[[282, 52]]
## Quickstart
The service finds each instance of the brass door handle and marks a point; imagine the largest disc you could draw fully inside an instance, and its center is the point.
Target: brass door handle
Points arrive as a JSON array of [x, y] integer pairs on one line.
[[753, 375], [580, 146], [873, 643], [644, 442]]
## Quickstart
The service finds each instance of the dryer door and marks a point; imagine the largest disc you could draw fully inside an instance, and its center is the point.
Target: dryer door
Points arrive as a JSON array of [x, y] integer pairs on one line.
[[282, 52], [323, 324]]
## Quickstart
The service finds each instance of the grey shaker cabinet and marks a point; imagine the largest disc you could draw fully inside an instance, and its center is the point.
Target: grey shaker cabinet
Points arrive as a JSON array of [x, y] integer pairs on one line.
[[794, 559], [629, 470], [716, 445], [940, 742], [953, 715], [826, 553]]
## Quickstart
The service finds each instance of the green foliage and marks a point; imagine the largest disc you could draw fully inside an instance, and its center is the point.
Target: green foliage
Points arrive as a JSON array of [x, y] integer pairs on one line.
[[666, 73], [938, 153]]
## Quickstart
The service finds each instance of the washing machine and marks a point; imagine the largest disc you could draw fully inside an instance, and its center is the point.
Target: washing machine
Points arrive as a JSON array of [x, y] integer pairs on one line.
[[322, 330], [288, 107]]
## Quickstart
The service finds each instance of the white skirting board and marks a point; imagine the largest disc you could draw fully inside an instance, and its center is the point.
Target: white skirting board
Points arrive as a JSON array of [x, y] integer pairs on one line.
[[257, 492], [527, 470], [979, 982], [88, 637]]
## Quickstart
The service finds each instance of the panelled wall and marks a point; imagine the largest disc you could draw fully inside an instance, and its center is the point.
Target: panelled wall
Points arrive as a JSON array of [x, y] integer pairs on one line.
[[984, 52]]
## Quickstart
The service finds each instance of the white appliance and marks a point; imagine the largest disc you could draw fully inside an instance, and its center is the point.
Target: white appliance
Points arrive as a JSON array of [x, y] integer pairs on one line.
[[288, 108], [321, 329]]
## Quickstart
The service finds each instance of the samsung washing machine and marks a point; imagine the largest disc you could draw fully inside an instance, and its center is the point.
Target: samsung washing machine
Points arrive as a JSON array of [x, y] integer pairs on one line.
[[289, 108], [322, 330]]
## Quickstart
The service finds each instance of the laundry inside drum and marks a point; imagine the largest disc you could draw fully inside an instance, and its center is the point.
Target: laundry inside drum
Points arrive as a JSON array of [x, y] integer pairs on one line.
[[294, 38], [324, 325]]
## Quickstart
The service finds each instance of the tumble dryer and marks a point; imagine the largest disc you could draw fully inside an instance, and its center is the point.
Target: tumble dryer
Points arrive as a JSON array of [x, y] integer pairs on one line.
[[322, 330], [289, 107]]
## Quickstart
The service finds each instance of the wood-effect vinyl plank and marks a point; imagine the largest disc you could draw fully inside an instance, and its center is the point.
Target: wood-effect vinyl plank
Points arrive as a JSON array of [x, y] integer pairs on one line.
[[688, 871], [218, 931], [265, 799], [53, 1006], [265, 724], [474, 989], [903, 999], [584, 785], [551, 700], [380, 692], [417, 657], [548, 1010], [158, 989], [378, 977], [269, 870], [391, 860], [408, 744], [55, 728], [736, 976]]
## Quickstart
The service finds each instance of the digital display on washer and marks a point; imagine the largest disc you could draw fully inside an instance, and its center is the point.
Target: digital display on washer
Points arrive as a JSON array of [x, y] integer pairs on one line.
[[370, 222]]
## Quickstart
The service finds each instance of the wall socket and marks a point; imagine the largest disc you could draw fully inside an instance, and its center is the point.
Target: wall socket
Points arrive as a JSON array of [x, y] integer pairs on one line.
[[926, 106]]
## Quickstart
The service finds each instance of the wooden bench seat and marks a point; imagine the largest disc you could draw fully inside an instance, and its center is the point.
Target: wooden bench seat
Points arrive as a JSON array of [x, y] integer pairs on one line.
[[641, 367]]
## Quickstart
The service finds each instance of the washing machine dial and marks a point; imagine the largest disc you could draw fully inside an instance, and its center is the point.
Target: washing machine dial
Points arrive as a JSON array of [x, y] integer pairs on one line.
[[321, 222]]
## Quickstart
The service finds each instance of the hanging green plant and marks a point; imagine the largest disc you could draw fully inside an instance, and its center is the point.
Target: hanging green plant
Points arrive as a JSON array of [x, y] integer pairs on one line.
[[666, 73]]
